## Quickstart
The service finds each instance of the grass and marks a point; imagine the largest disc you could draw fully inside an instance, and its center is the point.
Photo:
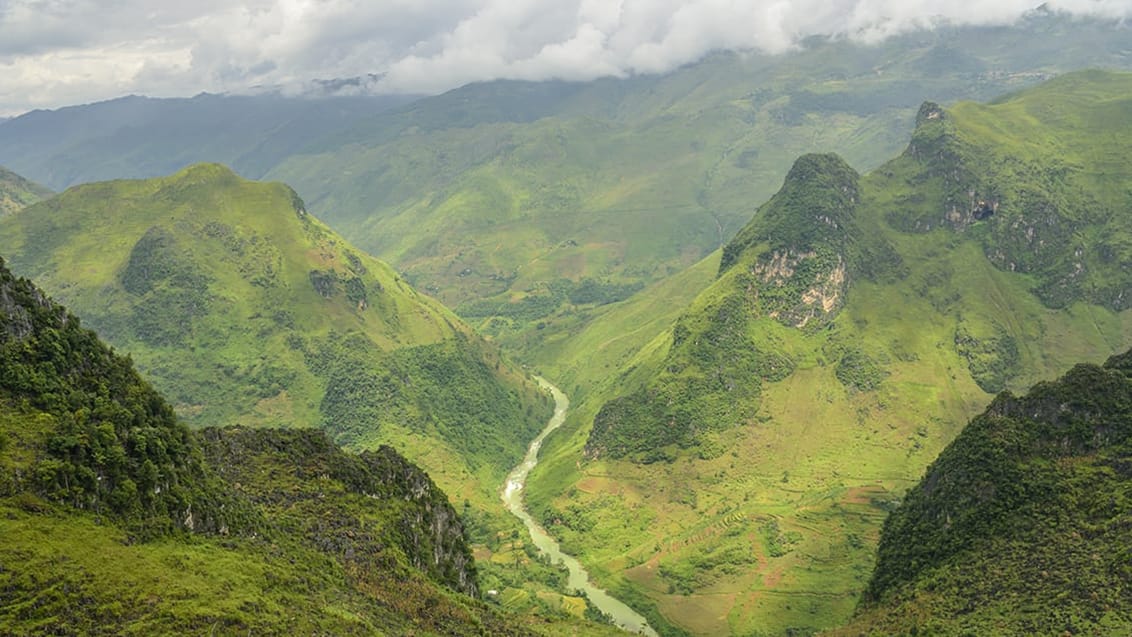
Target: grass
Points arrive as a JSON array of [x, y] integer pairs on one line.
[[821, 458], [496, 190], [244, 309], [1033, 508], [17, 192]]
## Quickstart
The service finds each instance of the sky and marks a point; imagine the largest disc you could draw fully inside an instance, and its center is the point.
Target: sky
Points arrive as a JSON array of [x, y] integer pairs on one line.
[[60, 52]]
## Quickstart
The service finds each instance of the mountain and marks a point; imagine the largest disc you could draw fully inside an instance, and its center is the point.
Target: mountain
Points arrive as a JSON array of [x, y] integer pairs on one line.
[[17, 192], [137, 137], [732, 472], [118, 519], [1020, 526], [522, 205], [244, 309], [527, 206]]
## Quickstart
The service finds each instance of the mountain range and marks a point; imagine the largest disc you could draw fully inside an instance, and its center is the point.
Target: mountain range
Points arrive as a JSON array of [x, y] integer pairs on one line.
[[775, 288], [119, 519], [513, 202], [746, 457]]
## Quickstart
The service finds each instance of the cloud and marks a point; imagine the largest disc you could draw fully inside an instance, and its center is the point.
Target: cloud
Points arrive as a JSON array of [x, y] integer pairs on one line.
[[55, 52]]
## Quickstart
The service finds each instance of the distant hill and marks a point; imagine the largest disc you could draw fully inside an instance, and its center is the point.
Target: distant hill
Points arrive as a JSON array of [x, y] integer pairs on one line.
[[245, 309], [1020, 526], [136, 137], [118, 519], [852, 326], [527, 205], [17, 192]]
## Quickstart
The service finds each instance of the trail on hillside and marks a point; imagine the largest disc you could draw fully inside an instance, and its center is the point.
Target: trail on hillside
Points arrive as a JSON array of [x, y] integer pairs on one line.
[[579, 579]]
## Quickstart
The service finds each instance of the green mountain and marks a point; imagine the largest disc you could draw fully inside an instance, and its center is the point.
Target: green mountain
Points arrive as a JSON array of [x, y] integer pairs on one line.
[[529, 206], [732, 473], [1020, 526], [244, 309], [117, 519], [137, 137], [17, 192], [526, 206]]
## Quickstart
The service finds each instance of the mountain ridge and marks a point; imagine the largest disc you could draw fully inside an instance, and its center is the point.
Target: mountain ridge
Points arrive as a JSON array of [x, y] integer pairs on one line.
[[117, 519], [248, 310], [1018, 526], [745, 454]]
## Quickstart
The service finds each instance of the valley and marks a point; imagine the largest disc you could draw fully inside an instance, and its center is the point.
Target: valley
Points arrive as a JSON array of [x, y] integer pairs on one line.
[[805, 310], [578, 580]]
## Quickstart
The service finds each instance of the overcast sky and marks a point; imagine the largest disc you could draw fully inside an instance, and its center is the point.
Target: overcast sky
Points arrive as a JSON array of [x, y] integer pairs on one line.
[[60, 52]]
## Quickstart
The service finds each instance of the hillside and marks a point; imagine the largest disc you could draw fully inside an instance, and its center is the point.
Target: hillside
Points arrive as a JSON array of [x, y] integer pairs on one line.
[[528, 206], [244, 309], [744, 459], [117, 519], [1020, 526], [137, 137], [17, 192], [524, 205]]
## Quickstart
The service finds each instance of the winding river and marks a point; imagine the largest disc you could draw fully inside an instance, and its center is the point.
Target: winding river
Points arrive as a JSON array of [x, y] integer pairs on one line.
[[579, 579]]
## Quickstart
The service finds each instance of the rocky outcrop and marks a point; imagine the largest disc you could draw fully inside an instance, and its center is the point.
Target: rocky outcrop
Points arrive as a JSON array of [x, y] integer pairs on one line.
[[355, 507]]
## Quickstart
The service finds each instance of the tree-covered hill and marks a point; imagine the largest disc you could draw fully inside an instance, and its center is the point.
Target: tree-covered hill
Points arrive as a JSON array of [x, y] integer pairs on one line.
[[118, 519], [745, 457], [17, 192], [1021, 526], [245, 309]]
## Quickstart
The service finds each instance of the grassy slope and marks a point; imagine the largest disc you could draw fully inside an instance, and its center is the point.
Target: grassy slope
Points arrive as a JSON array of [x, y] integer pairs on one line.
[[247, 310], [1020, 526], [820, 459], [330, 561], [515, 191], [78, 572], [119, 520], [17, 192]]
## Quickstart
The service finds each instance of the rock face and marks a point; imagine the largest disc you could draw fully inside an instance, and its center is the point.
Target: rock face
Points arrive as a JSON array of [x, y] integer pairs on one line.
[[792, 264], [287, 470], [1021, 525], [1048, 202]]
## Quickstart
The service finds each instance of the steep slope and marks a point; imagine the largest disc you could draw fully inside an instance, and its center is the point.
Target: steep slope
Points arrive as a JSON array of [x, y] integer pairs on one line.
[[247, 310], [117, 519], [503, 198], [744, 459], [17, 192], [1021, 526]]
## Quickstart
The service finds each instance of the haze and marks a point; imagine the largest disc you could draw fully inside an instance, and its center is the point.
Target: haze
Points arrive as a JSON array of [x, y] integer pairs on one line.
[[59, 52]]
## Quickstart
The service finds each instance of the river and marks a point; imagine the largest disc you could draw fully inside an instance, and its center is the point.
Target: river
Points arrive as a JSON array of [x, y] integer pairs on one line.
[[579, 579]]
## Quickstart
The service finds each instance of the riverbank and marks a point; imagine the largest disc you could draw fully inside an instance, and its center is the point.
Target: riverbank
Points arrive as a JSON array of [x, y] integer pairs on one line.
[[579, 579]]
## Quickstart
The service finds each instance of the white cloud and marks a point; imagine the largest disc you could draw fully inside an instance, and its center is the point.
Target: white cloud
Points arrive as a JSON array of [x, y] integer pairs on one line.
[[54, 52]]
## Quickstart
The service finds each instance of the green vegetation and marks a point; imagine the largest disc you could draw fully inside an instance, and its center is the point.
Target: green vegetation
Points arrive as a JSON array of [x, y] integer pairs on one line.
[[118, 519], [1020, 526], [487, 195], [112, 445], [137, 137], [17, 192], [877, 373], [243, 309]]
